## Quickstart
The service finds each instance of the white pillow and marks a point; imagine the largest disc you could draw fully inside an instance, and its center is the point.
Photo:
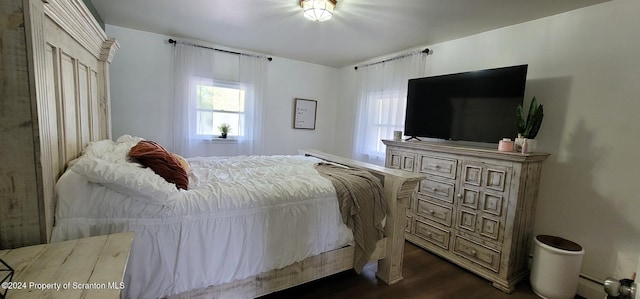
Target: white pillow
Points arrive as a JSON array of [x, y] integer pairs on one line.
[[106, 162]]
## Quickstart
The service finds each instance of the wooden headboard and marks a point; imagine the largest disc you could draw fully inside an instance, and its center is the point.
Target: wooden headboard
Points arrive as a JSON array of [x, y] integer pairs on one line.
[[68, 56], [71, 57]]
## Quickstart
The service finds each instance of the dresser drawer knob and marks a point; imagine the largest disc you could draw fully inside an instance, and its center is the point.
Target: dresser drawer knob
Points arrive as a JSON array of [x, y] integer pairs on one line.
[[473, 252], [430, 211], [434, 189], [459, 195]]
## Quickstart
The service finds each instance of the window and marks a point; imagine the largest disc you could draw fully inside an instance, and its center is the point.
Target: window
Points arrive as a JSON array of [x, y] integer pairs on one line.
[[386, 114], [382, 97], [217, 103], [208, 93]]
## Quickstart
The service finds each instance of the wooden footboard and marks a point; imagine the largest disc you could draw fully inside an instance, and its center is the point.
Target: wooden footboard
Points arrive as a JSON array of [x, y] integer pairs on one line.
[[398, 188]]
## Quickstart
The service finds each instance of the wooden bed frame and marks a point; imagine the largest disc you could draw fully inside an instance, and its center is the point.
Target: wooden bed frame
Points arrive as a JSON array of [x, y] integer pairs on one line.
[[66, 59], [71, 54], [398, 188]]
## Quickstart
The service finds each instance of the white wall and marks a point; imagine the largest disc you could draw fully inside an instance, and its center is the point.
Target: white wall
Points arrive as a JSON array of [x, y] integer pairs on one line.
[[289, 79], [346, 112], [140, 91], [142, 96], [584, 67]]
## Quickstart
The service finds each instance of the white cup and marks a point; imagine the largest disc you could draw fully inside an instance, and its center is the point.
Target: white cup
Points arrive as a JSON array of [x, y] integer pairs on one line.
[[397, 135]]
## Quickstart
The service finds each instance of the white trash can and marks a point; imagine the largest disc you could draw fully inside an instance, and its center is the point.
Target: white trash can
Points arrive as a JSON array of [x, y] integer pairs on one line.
[[556, 267]]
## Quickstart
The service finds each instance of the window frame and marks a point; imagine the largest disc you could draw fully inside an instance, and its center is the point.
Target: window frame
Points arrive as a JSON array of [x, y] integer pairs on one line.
[[195, 82]]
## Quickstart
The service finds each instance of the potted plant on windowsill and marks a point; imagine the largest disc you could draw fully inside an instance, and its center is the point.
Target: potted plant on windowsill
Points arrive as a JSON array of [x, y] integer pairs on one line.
[[528, 127], [224, 128]]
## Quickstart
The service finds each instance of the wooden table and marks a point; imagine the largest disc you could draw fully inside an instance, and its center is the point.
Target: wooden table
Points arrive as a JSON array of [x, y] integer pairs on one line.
[[84, 268]]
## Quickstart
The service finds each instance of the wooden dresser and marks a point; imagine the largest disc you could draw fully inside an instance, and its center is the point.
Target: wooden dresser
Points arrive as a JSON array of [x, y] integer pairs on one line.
[[474, 207]]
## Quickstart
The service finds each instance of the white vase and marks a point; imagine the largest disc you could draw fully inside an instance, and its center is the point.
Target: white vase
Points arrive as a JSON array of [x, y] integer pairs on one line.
[[532, 144]]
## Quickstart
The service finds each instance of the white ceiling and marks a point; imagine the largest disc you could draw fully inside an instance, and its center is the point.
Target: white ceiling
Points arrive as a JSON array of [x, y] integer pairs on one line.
[[359, 30]]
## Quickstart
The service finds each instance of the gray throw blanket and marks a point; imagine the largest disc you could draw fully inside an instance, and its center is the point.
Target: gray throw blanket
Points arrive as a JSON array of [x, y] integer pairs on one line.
[[362, 207]]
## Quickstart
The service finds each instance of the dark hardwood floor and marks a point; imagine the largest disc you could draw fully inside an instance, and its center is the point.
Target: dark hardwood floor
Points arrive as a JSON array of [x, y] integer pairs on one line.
[[425, 276]]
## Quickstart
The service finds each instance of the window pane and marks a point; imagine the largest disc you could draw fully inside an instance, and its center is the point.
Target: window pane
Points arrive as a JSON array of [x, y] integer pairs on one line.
[[227, 99], [205, 123], [385, 107], [383, 120], [232, 119], [204, 95], [220, 98]]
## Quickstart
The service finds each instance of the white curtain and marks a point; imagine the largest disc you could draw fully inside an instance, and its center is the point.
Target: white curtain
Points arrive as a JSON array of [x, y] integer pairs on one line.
[[189, 61], [382, 98], [197, 64], [253, 75]]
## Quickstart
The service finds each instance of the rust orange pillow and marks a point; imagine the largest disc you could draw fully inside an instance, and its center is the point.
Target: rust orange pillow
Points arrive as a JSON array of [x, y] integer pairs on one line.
[[161, 161]]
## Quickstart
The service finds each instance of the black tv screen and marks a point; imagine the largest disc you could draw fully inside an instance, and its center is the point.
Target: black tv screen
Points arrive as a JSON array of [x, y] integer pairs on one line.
[[477, 106]]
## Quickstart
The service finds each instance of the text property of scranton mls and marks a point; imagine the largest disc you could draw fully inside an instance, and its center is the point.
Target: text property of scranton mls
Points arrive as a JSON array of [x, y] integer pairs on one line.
[[57, 286]]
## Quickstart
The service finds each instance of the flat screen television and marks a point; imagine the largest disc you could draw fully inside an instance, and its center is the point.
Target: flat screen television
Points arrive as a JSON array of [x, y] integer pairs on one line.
[[478, 106]]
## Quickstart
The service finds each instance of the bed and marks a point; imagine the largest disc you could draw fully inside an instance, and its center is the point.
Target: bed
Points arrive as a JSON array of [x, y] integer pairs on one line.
[[71, 63], [246, 226]]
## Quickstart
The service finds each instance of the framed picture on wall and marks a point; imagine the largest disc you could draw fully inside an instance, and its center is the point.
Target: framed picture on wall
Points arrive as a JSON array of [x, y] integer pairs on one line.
[[304, 114]]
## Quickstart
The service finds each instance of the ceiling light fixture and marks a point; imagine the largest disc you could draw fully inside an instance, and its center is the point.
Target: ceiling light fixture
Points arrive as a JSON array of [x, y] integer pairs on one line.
[[318, 10]]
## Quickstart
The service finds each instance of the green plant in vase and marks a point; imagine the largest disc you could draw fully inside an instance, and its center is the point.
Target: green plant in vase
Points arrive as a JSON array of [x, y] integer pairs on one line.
[[224, 128], [529, 126]]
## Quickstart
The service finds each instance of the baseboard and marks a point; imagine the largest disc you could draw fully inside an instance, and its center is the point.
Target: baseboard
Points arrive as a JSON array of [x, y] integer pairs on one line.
[[590, 288]]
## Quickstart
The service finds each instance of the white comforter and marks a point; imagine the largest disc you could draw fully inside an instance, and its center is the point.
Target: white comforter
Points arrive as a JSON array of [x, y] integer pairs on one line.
[[241, 216]]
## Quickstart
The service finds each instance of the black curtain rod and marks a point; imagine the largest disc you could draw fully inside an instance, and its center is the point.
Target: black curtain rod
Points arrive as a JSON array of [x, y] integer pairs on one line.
[[425, 51], [173, 41]]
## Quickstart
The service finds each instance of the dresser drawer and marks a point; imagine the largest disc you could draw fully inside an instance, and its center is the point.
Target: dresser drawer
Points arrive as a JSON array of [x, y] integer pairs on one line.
[[494, 204], [401, 160], [435, 212], [432, 234], [438, 166], [491, 228], [477, 253], [435, 189], [489, 176], [479, 224]]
